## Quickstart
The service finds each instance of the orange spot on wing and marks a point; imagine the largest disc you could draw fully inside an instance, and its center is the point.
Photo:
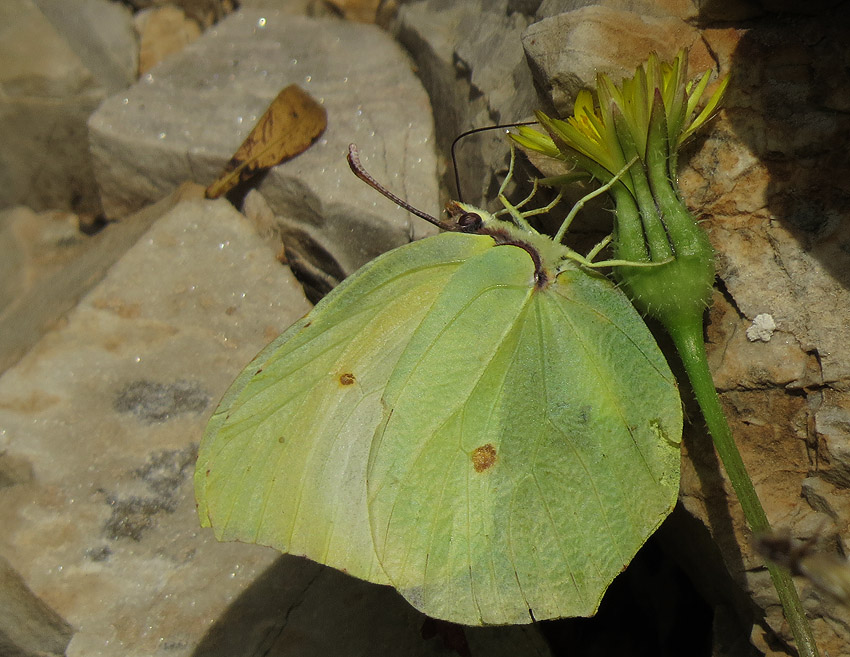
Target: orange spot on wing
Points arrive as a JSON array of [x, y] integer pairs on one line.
[[484, 457], [346, 379]]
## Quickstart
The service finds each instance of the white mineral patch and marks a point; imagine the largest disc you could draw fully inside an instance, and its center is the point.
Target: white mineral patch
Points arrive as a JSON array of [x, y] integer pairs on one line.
[[762, 328]]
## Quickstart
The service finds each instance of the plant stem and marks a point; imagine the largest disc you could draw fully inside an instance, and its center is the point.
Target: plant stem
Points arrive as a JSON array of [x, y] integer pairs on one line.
[[687, 336]]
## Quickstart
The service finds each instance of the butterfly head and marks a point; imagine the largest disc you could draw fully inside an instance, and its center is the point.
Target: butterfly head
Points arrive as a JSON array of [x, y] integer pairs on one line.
[[465, 218]]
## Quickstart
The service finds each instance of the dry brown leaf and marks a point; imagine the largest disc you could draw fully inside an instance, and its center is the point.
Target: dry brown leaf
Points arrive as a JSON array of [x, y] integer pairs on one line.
[[289, 126]]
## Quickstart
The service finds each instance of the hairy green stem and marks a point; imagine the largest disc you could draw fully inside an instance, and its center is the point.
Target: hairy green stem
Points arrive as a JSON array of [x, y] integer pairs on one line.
[[687, 336]]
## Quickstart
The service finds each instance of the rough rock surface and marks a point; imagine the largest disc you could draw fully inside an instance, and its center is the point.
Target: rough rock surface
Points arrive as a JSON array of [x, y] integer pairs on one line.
[[104, 416], [565, 56], [101, 34], [186, 118], [470, 59], [780, 228], [163, 31], [48, 264], [57, 64]]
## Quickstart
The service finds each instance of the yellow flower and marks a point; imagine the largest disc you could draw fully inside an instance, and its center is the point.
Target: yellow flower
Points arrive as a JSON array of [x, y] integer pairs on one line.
[[644, 120], [596, 136]]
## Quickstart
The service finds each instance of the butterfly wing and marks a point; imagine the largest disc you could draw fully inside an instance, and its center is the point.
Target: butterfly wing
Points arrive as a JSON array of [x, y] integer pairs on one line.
[[529, 446], [283, 459]]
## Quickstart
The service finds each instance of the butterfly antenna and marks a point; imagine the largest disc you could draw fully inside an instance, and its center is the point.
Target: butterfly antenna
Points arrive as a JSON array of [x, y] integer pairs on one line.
[[472, 132], [365, 176]]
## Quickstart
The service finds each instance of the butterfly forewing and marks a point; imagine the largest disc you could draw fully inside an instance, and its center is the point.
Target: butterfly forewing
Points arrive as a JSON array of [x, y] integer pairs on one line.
[[283, 460]]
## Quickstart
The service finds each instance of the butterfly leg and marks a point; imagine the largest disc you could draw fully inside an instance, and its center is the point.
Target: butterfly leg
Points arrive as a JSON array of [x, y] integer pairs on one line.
[[535, 184], [587, 260], [521, 218], [559, 236], [508, 207]]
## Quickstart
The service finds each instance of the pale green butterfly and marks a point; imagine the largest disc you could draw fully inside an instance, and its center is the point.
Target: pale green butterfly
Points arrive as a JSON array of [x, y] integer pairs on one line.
[[478, 419]]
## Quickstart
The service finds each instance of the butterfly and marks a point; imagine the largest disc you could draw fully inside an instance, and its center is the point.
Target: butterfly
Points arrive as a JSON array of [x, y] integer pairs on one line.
[[479, 419]]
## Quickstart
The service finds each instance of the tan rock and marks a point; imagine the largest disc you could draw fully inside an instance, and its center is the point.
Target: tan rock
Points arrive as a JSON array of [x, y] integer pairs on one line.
[[106, 412], [47, 264], [565, 54], [769, 182], [163, 31]]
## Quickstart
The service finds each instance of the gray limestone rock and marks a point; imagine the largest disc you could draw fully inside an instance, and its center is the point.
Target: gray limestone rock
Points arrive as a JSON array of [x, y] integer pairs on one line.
[[470, 60], [102, 419], [101, 34], [186, 117], [56, 67]]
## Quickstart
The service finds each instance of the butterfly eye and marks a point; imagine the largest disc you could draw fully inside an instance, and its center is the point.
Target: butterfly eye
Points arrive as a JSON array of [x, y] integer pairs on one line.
[[469, 222]]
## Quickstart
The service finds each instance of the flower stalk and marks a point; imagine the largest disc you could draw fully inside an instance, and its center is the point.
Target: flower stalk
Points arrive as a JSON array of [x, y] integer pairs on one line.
[[650, 116]]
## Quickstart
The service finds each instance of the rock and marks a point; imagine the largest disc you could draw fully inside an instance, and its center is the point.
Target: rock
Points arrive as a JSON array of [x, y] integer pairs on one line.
[[101, 34], [186, 118], [695, 12], [362, 11], [469, 58], [47, 265], [106, 533], [564, 53], [204, 12], [163, 31], [744, 364], [28, 627], [100, 427], [684, 9], [51, 79], [313, 8], [779, 229]]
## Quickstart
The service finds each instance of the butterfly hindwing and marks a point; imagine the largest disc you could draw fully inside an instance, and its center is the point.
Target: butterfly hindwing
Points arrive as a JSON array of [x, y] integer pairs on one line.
[[512, 478]]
